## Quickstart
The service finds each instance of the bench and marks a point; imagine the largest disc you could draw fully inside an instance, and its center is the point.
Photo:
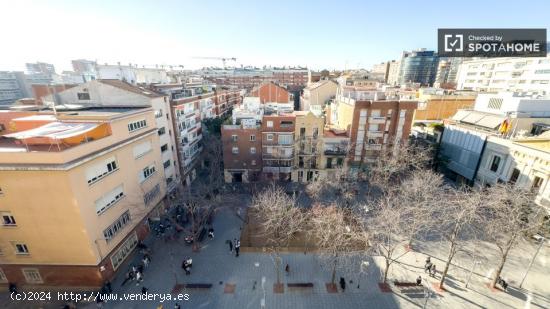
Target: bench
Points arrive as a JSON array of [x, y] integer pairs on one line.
[[404, 284], [300, 285], [197, 285]]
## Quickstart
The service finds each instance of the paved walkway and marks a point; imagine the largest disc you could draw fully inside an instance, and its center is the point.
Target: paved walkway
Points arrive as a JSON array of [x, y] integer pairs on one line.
[[216, 265]]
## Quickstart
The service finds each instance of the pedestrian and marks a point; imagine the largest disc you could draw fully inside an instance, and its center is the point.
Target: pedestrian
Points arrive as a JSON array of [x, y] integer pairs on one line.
[[177, 306], [237, 247], [134, 268], [432, 270], [108, 287], [140, 268], [211, 233], [419, 280], [144, 290], [428, 267], [145, 261], [342, 283], [230, 245], [139, 278], [287, 269]]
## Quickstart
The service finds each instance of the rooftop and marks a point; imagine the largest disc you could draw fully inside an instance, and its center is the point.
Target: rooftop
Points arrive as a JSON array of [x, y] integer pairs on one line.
[[129, 87]]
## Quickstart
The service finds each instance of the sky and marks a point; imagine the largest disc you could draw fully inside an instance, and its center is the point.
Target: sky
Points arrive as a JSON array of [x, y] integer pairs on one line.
[[319, 34]]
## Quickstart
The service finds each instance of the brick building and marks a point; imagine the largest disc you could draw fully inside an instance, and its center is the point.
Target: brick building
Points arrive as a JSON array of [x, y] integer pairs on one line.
[[242, 152], [271, 92]]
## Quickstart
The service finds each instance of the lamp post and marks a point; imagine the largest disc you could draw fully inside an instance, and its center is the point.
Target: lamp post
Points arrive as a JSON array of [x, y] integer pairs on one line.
[[471, 272], [541, 240]]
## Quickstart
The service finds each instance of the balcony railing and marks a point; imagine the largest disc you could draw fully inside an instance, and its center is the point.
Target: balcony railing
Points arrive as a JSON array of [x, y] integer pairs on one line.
[[336, 152], [377, 120]]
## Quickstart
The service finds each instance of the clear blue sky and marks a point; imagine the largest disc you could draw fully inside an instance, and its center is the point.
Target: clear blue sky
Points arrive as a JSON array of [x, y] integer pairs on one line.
[[319, 34]]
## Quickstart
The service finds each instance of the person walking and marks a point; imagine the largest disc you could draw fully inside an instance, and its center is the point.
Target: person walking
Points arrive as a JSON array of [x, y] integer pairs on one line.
[[433, 270], [144, 290], [139, 278], [428, 267], [419, 280], [237, 247], [177, 306], [287, 269], [145, 262], [211, 233], [342, 284]]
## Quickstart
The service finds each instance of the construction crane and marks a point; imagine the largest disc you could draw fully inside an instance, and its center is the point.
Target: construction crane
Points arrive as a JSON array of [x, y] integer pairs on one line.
[[218, 58]]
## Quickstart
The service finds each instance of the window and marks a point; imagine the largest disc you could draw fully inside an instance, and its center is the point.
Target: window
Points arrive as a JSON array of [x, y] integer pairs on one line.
[[302, 132], [158, 113], [373, 127], [495, 163], [515, 175], [153, 193], [253, 162], [164, 148], [372, 141], [147, 172], [133, 126], [109, 199], [269, 137], [166, 164], [117, 226], [100, 170], [162, 131], [234, 138], [235, 150], [269, 150], [8, 219], [252, 138], [252, 150], [21, 248], [32, 275], [124, 250], [269, 124], [329, 163], [537, 183], [83, 96], [285, 139], [142, 149], [315, 132], [3, 278]]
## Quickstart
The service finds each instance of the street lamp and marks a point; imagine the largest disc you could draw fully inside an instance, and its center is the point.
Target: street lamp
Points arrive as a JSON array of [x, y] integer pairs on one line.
[[472, 271], [541, 242]]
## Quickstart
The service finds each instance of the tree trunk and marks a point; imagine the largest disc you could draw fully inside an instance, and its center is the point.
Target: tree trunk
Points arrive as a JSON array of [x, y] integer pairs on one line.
[[447, 264], [277, 268], [333, 280], [503, 258], [386, 270]]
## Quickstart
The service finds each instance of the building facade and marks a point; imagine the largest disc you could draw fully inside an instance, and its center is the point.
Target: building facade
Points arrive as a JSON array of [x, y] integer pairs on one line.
[[316, 95], [529, 75], [278, 146], [242, 152], [418, 66], [308, 146], [92, 180]]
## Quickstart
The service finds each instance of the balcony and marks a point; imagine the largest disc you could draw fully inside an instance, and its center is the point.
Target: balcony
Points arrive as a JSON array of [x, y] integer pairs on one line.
[[375, 133], [336, 152], [373, 147], [277, 156], [377, 120]]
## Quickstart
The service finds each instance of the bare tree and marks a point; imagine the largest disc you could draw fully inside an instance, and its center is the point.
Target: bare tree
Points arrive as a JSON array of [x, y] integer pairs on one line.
[[280, 220], [420, 194], [213, 171], [459, 222], [337, 234], [386, 228], [508, 215], [396, 163]]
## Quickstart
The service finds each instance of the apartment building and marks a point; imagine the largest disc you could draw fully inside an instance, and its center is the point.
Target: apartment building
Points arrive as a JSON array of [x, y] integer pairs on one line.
[[316, 95], [248, 77], [77, 190], [10, 88], [393, 72], [242, 152], [308, 146], [40, 67], [507, 115], [524, 161], [372, 119], [336, 146], [447, 71], [278, 146], [117, 93], [274, 98], [132, 74], [531, 75]]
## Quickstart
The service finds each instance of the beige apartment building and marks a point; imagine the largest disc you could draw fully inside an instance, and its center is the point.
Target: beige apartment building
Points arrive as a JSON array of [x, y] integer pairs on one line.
[[77, 190], [308, 146]]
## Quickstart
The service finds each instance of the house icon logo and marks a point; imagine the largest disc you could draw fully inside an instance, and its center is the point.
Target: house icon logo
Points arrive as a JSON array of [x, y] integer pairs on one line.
[[454, 43]]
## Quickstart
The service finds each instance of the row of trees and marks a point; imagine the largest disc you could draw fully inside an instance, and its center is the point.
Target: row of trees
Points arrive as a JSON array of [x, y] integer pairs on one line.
[[405, 201]]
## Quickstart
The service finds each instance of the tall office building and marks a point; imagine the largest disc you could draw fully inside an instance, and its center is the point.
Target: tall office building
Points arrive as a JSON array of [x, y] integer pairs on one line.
[[418, 66]]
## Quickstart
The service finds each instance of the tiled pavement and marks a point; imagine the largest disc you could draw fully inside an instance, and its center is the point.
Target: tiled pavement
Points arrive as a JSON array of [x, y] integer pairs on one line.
[[214, 264]]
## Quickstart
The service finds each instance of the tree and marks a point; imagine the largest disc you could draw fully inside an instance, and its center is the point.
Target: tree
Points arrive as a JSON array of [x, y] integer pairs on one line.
[[212, 173], [337, 234], [280, 220], [508, 215], [386, 227], [459, 221], [420, 194]]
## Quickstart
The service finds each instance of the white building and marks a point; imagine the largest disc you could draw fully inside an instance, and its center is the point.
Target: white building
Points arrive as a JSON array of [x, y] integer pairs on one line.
[[505, 74], [251, 109], [132, 74], [316, 95], [524, 161], [115, 93]]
